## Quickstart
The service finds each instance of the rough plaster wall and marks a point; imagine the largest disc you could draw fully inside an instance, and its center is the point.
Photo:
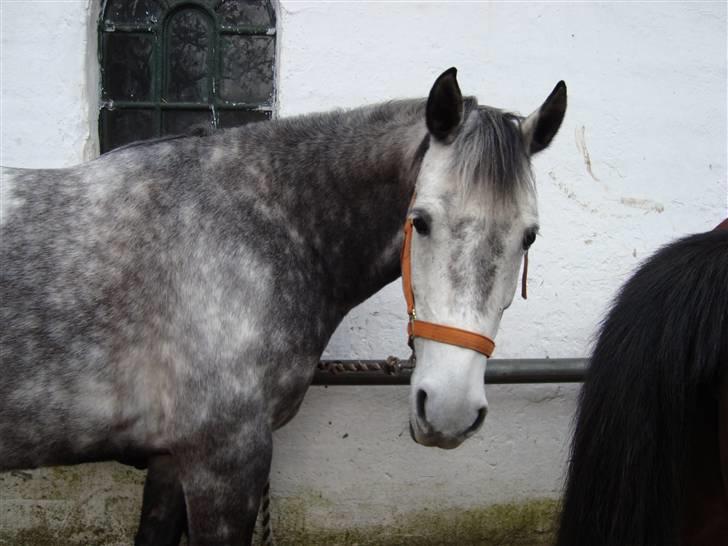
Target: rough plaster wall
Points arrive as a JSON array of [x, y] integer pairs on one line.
[[44, 106], [640, 159]]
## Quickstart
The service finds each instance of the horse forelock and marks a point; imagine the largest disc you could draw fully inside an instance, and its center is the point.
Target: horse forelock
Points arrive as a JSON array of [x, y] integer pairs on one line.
[[490, 155]]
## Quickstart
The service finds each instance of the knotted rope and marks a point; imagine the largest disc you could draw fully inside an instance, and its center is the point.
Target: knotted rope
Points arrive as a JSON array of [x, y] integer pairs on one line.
[[391, 366], [265, 527]]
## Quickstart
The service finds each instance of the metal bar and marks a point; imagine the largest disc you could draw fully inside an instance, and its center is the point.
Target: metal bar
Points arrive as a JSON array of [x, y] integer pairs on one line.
[[159, 69], [228, 30], [498, 371], [216, 76], [248, 31], [220, 105], [110, 26]]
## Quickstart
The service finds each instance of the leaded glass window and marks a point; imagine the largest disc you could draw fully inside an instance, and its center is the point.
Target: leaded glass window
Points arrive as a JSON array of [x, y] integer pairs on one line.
[[167, 65]]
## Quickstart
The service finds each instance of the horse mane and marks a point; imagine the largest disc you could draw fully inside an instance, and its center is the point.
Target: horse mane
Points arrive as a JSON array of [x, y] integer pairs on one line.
[[198, 130], [656, 368], [489, 151]]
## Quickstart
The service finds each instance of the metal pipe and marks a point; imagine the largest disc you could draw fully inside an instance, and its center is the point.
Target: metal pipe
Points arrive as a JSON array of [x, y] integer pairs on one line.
[[394, 371]]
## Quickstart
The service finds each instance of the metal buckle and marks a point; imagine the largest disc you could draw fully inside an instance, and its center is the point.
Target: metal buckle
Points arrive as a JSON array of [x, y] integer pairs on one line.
[[411, 338]]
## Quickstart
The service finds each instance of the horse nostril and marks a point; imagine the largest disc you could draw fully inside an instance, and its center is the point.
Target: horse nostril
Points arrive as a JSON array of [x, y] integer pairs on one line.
[[421, 399], [478, 420]]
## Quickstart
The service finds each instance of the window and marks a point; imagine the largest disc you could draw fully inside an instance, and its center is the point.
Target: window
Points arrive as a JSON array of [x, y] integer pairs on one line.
[[167, 65]]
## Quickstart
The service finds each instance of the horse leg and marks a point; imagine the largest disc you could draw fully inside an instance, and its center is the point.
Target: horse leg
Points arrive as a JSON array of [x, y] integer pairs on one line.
[[223, 483], [163, 518]]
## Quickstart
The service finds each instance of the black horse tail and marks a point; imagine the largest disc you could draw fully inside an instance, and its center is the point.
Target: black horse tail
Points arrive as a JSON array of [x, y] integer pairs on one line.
[[653, 376]]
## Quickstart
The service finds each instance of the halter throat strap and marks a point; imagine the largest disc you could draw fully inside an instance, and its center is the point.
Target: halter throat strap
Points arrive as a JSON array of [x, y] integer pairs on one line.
[[429, 330]]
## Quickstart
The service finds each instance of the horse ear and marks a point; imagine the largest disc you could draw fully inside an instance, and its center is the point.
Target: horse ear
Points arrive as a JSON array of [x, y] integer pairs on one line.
[[540, 127], [444, 105]]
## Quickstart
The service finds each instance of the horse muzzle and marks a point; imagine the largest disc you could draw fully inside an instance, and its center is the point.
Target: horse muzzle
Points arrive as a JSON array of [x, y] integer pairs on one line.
[[445, 434]]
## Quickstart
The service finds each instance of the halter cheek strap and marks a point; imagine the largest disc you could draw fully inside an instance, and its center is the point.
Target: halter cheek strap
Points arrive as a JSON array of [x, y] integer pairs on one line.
[[429, 330]]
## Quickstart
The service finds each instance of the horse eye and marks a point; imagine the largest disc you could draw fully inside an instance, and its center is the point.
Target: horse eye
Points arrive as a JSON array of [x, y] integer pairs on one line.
[[420, 225], [529, 238]]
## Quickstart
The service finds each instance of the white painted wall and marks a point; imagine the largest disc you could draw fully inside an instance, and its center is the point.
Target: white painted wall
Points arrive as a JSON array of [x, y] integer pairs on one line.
[[48, 83], [640, 160]]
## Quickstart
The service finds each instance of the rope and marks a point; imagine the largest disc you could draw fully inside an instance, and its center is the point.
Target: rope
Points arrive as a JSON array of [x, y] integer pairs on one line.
[[391, 366], [266, 528]]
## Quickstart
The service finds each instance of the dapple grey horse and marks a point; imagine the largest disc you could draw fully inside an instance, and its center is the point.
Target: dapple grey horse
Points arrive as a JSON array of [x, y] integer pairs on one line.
[[167, 303]]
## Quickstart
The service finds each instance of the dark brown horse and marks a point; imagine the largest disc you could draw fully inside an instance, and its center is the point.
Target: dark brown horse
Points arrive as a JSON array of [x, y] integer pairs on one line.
[[649, 459]]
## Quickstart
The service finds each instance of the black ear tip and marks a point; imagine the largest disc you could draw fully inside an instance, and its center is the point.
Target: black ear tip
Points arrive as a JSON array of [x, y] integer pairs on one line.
[[560, 88], [450, 72], [558, 95]]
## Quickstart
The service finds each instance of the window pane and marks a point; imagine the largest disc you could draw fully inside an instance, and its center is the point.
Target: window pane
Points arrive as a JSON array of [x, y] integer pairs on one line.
[[178, 122], [188, 51], [132, 12], [245, 12], [123, 126], [247, 68], [233, 118], [128, 66]]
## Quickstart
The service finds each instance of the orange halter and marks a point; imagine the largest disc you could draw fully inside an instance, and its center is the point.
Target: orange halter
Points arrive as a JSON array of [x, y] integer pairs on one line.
[[428, 330]]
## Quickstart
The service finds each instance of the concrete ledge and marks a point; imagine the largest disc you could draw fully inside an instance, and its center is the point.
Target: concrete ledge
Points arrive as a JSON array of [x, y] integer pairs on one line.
[[86, 505], [99, 505], [530, 523]]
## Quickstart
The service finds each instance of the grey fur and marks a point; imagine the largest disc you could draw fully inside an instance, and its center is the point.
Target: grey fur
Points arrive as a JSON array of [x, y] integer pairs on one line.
[[491, 159], [175, 297], [474, 289], [167, 303]]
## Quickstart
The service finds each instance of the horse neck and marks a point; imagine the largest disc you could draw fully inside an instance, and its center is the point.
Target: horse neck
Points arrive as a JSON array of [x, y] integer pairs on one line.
[[352, 179]]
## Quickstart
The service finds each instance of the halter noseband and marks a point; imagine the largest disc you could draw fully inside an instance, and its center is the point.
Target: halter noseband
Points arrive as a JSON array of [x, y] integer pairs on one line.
[[429, 330]]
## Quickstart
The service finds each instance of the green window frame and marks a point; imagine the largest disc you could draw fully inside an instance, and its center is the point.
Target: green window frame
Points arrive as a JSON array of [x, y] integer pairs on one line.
[[168, 65]]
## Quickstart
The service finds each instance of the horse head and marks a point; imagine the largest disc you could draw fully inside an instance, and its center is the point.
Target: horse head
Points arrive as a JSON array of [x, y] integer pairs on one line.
[[472, 219]]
